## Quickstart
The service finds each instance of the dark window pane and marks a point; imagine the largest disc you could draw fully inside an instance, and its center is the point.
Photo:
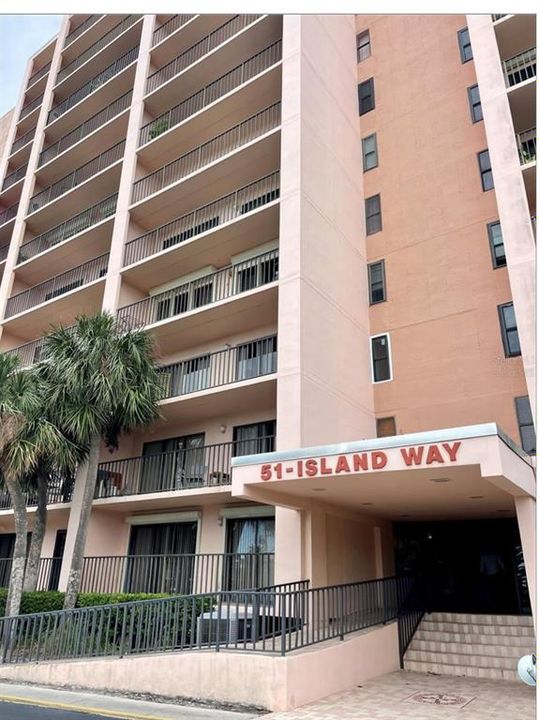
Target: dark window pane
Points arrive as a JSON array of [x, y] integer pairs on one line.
[[380, 358], [509, 330], [525, 424], [370, 152], [485, 169], [366, 96], [497, 248], [377, 289], [465, 45], [373, 214], [254, 438], [363, 43], [476, 110]]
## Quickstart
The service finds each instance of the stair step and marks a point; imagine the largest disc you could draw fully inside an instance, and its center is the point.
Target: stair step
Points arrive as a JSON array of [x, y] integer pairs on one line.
[[457, 671], [477, 628], [462, 660], [441, 648], [481, 619], [524, 641]]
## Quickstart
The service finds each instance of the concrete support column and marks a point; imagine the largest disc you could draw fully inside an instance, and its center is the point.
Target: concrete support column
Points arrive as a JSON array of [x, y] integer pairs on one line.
[[526, 514], [316, 545], [289, 543]]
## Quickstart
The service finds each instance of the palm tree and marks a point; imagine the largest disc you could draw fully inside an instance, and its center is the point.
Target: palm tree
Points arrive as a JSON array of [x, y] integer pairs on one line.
[[104, 382]]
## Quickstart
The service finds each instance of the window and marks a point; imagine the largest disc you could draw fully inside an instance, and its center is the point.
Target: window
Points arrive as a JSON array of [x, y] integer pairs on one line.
[[370, 152], [172, 464], [486, 170], [381, 358], [508, 324], [256, 272], [386, 427], [525, 424], [497, 248], [465, 45], [377, 282], [363, 44], [250, 544], [476, 111], [373, 214], [254, 438], [256, 358], [366, 96]]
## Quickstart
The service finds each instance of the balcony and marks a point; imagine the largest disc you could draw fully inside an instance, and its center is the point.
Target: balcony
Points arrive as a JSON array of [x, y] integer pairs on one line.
[[198, 50], [204, 219], [77, 32], [22, 142], [520, 68], [177, 574], [241, 74], [58, 285], [30, 107], [77, 177], [170, 26], [513, 33], [29, 353], [94, 84], [526, 144], [88, 126], [4, 249], [8, 213], [33, 79], [14, 176], [60, 491], [99, 45], [68, 229]]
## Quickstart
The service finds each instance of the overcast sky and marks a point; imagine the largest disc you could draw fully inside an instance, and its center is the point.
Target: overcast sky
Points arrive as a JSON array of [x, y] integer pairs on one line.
[[20, 37]]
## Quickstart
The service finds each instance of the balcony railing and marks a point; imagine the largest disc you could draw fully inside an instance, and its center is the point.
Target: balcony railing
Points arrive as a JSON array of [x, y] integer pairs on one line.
[[48, 573], [246, 361], [238, 203], [118, 29], [199, 49], [203, 155], [60, 491], [498, 17], [23, 140], [520, 67], [29, 353], [78, 176], [59, 285], [9, 213], [27, 109], [93, 84], [227, 282], [76, 32], [527, 146], [15, 176], [84, 220], [177, 574], [87, 127], [247, 70], [166, 29], [38, 75], [3, 252], [205, 466]]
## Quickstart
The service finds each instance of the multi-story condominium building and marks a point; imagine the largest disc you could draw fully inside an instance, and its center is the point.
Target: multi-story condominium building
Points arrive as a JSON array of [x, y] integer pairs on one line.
[[327, 223]]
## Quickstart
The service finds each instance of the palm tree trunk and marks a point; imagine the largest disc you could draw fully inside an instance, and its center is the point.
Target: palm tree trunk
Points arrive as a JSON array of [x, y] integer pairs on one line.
[[38, 533], [16, 580], [75, 572]]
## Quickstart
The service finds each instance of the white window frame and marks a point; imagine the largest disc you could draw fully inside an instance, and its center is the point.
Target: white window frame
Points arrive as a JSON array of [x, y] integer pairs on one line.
[[371, 338]]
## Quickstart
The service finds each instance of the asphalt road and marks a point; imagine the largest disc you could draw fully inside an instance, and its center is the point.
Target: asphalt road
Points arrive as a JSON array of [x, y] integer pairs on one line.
[[20, 711]]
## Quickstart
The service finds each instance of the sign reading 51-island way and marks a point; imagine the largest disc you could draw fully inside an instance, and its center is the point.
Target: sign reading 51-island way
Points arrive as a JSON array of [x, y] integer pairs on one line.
[[418, 455]]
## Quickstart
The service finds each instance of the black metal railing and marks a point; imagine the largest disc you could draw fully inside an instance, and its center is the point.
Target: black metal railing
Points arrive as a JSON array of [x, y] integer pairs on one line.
[[9, 213], [38, 75], [76, 32], [84, 220], [183, 574], [228, 141], [23, 140], [29, 353], [48, 574], [242, 73], [235, 204], [104, 40], [170, 26], [87, 127], [412, 608], [183, 469], [527, 146], [4, 249], [30, 107], [273, 620], [78, 176], [94, 84], [520, 67], [206, 290], [246, 361], [15, 176], [199, 49], [60, 491], [59, 285]]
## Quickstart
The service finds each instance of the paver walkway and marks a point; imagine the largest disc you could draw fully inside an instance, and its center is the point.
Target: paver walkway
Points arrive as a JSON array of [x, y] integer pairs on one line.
[[437, 697]]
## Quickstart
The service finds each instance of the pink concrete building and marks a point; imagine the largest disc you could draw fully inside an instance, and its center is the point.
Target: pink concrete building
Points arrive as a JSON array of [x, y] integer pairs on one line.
[[327, 224]]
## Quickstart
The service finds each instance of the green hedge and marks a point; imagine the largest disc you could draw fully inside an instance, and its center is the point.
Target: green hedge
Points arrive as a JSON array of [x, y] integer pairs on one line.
[[46, 600]]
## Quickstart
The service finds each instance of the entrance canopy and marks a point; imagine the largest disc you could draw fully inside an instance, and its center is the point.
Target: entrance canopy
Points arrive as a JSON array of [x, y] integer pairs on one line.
[[474, 471]]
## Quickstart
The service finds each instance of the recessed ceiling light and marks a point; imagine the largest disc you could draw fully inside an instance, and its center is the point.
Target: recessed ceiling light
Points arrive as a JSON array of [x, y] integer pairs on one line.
[[441, 480], [476, 497], [365, 503], [319, 489]]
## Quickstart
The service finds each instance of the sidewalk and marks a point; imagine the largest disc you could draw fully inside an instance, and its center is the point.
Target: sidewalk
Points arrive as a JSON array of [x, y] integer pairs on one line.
[[112, 706]]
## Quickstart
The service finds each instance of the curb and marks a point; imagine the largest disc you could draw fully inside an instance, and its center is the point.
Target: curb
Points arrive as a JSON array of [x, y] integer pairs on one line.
[[80, 708]]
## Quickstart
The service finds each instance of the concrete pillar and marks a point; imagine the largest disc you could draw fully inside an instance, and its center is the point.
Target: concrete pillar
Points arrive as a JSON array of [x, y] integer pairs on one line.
[[526, 514]]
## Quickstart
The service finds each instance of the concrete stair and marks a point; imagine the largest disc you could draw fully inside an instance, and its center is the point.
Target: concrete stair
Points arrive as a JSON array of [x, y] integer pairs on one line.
[[479, 646]]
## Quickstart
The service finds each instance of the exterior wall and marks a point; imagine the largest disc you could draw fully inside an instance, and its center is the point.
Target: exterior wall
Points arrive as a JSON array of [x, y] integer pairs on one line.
[[441, 311], [5, 125]]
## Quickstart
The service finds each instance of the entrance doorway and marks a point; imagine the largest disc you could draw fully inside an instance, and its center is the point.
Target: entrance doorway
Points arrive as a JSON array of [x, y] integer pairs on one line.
[[468, 566]]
